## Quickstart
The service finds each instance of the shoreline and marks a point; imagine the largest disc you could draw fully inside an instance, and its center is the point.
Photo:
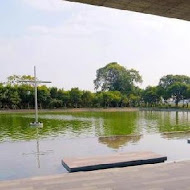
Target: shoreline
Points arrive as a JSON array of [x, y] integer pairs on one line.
[[165, 109], [72, 110], [76, 110]]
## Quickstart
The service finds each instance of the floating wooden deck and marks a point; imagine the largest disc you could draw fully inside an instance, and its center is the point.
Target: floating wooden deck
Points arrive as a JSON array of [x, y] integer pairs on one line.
[[112, 161]]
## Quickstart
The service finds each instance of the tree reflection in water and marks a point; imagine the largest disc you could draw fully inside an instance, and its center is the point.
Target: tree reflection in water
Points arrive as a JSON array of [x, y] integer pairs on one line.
[[116, 142]]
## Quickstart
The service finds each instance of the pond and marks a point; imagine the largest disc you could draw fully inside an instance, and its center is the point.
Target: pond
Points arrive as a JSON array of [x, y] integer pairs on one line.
[[26, 151]]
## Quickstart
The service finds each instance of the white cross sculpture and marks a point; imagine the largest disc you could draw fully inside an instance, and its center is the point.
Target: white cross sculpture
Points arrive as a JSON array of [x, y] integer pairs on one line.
[[36, 82]]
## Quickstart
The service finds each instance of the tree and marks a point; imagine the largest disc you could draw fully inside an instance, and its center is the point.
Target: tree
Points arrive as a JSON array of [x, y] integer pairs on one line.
[[187, 95], [114, 77], [124, 101], [1, 95], [168, 80], [4, 96], [43, 96], [177, 91], [173, 86], [98, 100], [53, 92], [14, 99], [15, 80], [150, 96], [87, 98], [107, 98], [75, 95], [116, 99], [54, 103], [66, 98], [26, 94]]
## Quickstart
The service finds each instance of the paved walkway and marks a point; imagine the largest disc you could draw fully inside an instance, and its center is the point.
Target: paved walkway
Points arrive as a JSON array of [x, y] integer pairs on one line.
[[168, 176]]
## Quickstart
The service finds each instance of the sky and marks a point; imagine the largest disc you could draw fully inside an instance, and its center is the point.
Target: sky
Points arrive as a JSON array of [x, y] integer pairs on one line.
[[68, 42]]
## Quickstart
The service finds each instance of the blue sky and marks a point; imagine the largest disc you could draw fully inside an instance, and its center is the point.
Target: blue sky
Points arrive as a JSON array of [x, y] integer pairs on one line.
[[68, 42], [17, 15]]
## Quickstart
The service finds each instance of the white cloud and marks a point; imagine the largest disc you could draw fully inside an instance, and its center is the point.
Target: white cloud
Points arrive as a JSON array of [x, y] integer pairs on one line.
[[38, 29], [48, 5], [69, 53]]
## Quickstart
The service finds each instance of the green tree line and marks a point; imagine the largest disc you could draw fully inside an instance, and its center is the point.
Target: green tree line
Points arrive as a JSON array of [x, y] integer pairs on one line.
[[115, 86]]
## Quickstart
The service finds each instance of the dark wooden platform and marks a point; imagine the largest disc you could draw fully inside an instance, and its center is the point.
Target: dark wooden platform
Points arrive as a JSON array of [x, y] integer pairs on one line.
[[112, 161]]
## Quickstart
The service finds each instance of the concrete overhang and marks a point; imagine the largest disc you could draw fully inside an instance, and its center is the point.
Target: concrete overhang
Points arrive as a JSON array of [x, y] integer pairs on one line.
[[179, 9]]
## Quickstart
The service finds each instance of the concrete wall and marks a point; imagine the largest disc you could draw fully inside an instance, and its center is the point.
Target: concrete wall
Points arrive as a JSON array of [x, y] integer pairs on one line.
[[168, 8]]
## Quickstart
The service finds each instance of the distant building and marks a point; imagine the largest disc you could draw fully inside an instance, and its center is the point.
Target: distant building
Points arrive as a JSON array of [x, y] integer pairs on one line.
[[171, 102]]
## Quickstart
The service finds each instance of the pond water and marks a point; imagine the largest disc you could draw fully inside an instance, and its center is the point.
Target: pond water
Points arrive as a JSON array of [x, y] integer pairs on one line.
[[26, 151]]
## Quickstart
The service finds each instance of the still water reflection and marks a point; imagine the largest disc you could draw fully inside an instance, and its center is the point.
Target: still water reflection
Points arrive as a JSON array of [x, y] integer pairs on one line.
[[26, 151]]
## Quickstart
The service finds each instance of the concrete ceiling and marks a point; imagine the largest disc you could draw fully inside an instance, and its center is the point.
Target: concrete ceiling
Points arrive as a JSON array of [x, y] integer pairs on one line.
[[179, 9]]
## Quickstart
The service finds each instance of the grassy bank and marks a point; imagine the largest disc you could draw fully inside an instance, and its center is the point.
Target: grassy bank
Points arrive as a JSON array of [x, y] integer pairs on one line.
[[165, 109], [126, 109], [73, 110]]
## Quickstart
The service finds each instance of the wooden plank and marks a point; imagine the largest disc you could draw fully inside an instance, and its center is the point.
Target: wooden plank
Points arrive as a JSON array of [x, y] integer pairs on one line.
[[112, 161]]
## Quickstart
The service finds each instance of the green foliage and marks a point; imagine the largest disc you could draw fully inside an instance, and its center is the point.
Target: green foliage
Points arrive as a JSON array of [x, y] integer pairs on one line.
[[151, 96], [54, 103], [14, 80], [168, 80], [75, 95], [177, 91], [174, 87], [44, 97], [87, 98], [114, 77], [54, 92], [14, 99], [117, 85], [107, 98]]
